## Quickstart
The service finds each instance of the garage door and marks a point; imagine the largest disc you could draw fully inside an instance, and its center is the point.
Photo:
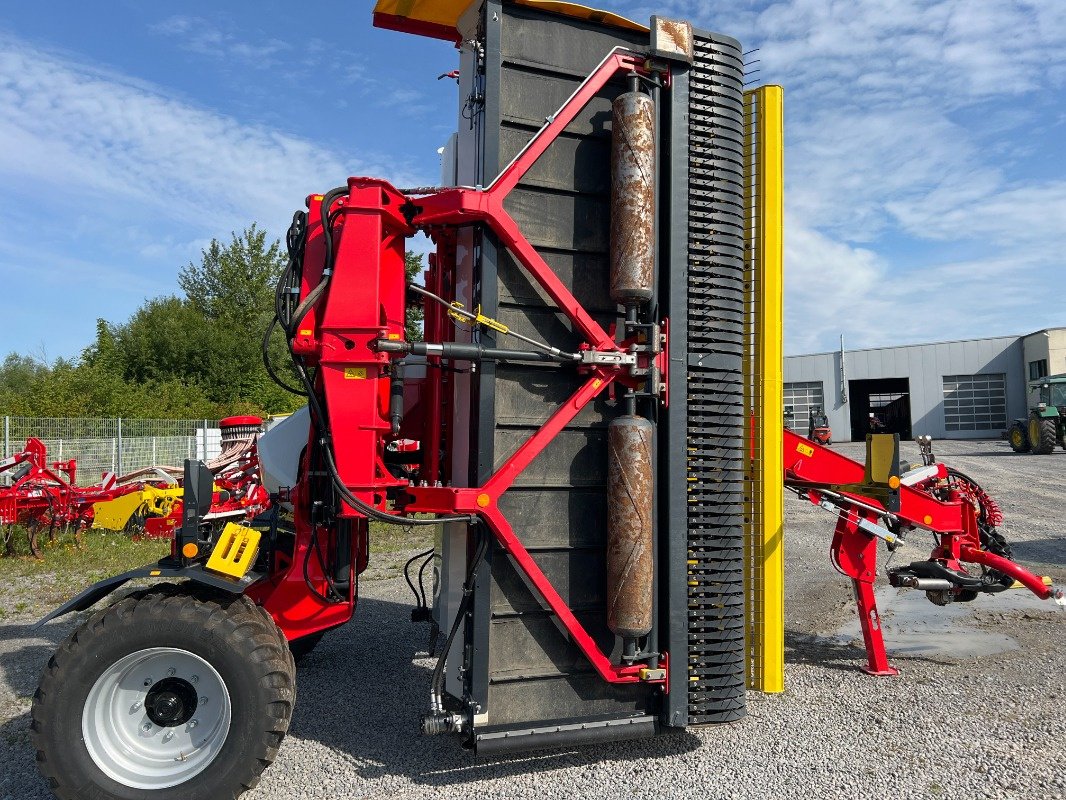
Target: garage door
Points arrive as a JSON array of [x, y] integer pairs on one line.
[[802, 395], [975, 402]]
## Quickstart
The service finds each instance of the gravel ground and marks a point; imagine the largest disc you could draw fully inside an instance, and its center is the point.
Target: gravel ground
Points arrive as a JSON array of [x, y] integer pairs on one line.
[[958, 722]]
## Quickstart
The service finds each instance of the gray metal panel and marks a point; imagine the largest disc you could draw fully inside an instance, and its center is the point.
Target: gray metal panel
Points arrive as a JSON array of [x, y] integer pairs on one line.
[[533, 672]]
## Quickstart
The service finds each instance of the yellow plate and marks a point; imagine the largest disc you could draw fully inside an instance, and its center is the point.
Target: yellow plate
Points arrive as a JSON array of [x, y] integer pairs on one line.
[[234, 551]]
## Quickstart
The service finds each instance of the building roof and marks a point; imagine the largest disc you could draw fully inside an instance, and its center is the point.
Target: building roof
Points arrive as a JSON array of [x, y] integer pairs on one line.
[[925, 344]]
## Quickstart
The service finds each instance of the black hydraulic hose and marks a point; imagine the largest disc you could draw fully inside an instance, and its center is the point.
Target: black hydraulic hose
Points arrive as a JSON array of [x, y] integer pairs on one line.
[[327, 270], [464, 604], [295, 239], [270, 367], [313, 546], [374, 513], [419, 601], [421, 571], [321, 424]]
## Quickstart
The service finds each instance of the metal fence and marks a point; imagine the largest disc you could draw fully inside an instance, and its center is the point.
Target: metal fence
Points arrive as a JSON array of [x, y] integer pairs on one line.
[[115, 445]]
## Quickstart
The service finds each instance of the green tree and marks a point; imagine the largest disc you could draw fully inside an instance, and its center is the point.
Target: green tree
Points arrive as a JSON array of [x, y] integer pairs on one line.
[[193, 356], [413, 266], [235, 282]]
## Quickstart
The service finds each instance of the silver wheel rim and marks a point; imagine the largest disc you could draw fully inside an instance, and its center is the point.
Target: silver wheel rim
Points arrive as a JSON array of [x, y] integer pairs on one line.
[[132, 749]]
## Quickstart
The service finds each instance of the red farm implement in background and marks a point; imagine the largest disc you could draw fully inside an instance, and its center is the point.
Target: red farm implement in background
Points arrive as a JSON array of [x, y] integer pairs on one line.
[[884, 501], [44, 495], [40, 495], [154, 503]]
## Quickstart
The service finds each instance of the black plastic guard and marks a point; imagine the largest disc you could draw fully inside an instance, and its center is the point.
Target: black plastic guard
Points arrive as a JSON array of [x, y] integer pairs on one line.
[[500, 741], [102, 589]]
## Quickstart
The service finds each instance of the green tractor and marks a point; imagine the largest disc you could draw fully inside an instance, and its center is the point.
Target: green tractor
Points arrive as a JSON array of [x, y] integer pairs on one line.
[[1044, 428]]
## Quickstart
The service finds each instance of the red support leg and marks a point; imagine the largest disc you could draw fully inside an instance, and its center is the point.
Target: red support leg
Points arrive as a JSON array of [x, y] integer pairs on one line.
[[854, 554], [870, 620]]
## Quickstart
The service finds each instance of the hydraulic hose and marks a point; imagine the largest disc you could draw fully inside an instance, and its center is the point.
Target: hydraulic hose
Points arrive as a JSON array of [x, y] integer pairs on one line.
[[437, 693], [327, 270]]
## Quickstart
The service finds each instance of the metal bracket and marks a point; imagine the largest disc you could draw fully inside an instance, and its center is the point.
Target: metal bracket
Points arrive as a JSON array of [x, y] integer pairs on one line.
[[607, 358]]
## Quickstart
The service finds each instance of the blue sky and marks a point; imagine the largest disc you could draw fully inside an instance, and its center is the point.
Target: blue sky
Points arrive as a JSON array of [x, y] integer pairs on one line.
[[925, 150]]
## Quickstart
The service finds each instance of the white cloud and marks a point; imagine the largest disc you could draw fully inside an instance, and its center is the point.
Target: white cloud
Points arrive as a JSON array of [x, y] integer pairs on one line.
[[110, 185], [80, 129], [1007, 217], [908, 123], [198, 35]]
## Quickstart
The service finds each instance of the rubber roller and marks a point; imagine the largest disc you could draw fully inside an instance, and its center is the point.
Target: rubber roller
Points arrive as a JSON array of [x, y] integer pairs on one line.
[[630, 565], [632, 198]]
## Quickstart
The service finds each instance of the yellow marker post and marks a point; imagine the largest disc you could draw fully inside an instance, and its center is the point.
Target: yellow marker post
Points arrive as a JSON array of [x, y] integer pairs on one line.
[[764, 395]]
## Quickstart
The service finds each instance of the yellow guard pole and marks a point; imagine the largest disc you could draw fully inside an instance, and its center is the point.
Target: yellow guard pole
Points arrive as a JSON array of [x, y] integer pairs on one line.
[[765, 563]]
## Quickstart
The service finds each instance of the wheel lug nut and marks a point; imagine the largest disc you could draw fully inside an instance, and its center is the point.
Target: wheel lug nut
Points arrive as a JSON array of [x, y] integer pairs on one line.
[[194, 678], [147, 727], [168, 736], [136, 706], [148, 681], [171, 671], [203, 700], [193, 723]]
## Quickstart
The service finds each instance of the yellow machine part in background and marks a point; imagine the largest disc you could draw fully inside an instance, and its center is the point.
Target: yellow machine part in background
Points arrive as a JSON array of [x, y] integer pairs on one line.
[[115, 515]]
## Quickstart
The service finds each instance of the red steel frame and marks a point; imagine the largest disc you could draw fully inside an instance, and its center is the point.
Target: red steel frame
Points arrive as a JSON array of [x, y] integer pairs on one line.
[[810, 466], [366, 302], [465, 207]]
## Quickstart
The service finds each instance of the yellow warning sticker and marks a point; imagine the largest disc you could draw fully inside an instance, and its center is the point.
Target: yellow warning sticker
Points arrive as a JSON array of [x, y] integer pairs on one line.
[[355, 373], [306, 332], [805, 449]]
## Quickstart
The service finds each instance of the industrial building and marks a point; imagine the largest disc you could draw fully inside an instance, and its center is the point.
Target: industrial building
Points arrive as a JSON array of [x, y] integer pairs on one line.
[[969, 389]]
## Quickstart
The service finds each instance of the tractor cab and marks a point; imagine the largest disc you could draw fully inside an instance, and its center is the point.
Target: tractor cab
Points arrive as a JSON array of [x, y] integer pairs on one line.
[[1043, 430], [1050, 392]]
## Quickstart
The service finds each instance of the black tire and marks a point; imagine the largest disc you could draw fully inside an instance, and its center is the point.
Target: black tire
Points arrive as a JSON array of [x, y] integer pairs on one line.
[[1018, 437], [302, 647], [237, 639], [1042, 435]]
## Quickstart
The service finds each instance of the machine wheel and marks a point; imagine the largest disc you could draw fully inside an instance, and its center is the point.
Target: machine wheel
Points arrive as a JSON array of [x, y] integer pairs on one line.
[[1018, 438], [1042, 436], [167, 695]]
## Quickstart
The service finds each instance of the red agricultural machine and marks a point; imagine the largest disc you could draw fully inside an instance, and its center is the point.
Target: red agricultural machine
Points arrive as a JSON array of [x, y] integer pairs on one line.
[[580, 405], [150, 500], [884, 502], [45, 495]]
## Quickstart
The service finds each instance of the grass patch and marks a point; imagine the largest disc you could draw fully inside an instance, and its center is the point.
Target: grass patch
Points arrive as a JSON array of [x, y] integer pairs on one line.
[[67, 567], [30, 584], [397, 539]]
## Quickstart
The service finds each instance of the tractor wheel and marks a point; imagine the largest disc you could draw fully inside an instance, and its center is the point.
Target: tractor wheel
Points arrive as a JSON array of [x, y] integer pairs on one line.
[[165, 695], [1018, 437], [1042, 438]]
